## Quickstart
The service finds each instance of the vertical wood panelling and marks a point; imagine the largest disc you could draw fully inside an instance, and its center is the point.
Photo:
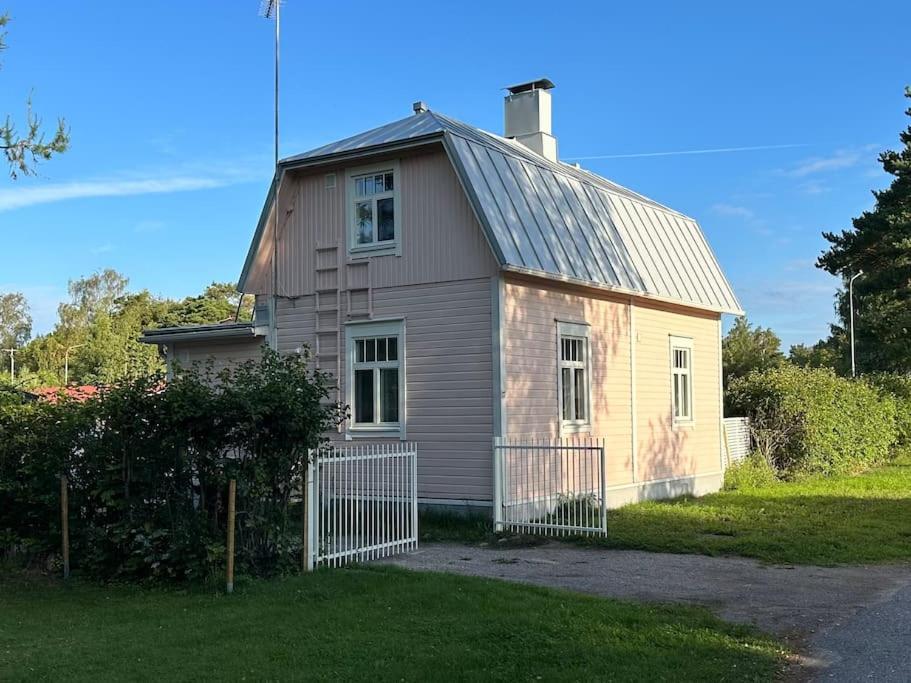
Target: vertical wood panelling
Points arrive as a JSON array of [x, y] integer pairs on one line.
[[441, 238]]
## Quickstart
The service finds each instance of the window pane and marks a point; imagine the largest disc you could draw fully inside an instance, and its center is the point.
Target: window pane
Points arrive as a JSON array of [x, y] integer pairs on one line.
[[381, 349], [385, 220], [389, 394], [363, 395], [388, 182], [685, 395], [580, 393], [392, 348], [370, 355], [676, 395], [359, 345], [378, 184], [359, 187], [567, 378], [364, 214]]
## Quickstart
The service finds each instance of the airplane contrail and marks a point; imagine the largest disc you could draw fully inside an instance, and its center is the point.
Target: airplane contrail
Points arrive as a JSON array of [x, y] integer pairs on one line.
[[716, 150]]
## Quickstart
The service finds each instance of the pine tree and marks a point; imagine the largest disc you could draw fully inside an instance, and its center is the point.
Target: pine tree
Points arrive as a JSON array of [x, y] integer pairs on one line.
[[879, 243]]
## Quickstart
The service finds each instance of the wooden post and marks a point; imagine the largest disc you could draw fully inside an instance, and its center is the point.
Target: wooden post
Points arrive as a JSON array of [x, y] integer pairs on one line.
[[65, 525], [232, 493]]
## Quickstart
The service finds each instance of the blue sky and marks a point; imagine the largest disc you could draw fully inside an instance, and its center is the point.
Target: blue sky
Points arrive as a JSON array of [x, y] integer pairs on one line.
[[170, 110]]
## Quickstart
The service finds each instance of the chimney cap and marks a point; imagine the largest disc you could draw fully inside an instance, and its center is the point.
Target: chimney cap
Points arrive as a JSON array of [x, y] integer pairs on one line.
[[539, 84], [419, 107]]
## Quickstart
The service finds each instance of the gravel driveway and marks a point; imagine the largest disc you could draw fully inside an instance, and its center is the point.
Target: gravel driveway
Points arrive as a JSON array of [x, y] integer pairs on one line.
[[852, 623]]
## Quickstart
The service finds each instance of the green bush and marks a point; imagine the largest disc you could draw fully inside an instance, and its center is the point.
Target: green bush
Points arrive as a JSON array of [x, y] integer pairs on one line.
[[148, 463], [898, 388], [808, 420], [753, 472]]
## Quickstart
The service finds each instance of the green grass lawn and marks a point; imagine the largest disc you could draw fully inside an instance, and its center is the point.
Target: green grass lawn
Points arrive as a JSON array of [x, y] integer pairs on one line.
[[361, 624], [825, 521]]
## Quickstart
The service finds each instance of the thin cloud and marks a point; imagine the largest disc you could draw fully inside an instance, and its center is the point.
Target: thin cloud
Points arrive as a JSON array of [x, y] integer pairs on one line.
[[46, 194], [102, 249], [148, 226], [715, 150], [813, 187], [733, 210], [840, 159]]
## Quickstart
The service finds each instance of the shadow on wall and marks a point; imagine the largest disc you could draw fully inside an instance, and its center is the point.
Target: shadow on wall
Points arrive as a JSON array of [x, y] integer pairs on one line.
[[531, 381]]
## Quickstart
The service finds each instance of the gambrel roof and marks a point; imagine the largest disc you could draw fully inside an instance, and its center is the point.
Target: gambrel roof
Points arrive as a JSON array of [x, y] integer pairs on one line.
[[554, 220]]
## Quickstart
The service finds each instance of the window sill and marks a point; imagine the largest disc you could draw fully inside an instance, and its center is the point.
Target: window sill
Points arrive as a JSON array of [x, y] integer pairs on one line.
[[684, 425], [570, 428], [374, 433], [384, 249]]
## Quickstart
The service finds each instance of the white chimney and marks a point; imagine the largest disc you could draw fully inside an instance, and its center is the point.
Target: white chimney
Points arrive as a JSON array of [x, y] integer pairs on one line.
[[527, 114]]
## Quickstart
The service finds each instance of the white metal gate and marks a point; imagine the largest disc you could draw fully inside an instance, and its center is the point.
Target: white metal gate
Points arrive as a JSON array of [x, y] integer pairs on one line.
[[363, 502], [550, 486]]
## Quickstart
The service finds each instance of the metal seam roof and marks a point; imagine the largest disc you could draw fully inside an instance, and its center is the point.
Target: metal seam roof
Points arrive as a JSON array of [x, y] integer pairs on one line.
[[549, 217]]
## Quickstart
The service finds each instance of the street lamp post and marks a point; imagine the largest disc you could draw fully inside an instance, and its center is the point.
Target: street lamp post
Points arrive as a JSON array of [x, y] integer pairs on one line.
[[66, 363], [851, 306]]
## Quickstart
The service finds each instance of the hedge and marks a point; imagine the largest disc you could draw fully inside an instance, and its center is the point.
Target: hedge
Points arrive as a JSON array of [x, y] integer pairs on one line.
[[826, 424], [148, 463], [898, 388]]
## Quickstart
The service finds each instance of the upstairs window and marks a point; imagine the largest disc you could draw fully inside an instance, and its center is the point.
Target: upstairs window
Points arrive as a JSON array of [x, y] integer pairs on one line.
[[682, 379], [574, 381], [374, 209]]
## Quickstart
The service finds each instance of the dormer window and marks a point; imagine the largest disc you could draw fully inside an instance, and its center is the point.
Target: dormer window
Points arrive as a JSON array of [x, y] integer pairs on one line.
[[374, 209]]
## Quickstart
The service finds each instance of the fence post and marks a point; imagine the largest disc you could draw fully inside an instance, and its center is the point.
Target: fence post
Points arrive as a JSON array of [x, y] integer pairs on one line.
[[414, 494], [497, 485], [309, 504], [603, 487], [65, 525], [232, 493]]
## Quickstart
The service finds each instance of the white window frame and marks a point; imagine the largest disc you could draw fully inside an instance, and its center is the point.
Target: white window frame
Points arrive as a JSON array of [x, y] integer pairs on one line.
[[368, 329], [387, 247], [574, 330], [682, 344]]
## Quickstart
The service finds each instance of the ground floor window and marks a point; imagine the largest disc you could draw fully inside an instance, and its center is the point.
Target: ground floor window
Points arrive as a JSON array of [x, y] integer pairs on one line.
[[682, 379], [376, 377], [574, 376]]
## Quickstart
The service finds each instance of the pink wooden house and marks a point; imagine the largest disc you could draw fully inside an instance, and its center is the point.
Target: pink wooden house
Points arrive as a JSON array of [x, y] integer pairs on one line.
[[463, 285]]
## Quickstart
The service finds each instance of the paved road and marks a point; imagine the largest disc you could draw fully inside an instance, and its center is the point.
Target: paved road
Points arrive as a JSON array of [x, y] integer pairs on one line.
[[854, 623], [873, 645]]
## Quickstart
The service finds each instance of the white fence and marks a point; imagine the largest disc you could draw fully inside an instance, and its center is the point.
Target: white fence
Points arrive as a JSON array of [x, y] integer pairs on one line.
[[550, 486], [363, 502], [736, 438]]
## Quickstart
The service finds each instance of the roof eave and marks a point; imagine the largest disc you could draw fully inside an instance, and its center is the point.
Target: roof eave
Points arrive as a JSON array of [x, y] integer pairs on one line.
[[167, 335], [531, 272]]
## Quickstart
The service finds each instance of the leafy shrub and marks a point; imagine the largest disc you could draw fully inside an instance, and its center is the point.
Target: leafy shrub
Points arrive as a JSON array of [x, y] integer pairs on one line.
[[833, 425], [753, 472], [898, 388], [148, 463]]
